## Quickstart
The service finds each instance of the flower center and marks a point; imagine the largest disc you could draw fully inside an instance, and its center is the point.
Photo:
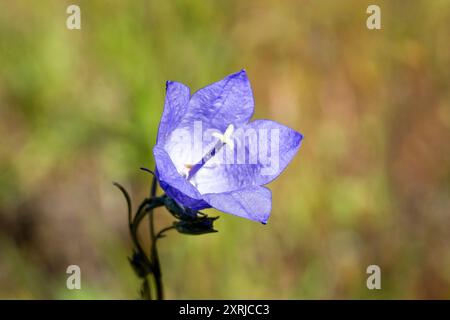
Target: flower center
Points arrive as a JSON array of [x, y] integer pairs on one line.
[[226, 137], [223, 139]]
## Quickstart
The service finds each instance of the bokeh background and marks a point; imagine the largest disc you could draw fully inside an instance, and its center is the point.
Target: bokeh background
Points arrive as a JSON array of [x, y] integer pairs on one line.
[[370, 185]]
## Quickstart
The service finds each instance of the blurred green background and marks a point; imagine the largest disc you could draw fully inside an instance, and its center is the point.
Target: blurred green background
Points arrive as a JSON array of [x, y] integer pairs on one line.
[[370, 185]]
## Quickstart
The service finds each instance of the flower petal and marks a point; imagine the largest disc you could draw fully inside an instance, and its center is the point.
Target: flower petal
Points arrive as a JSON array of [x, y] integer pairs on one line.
[[287, 140], [182, 199], [262, 151], [174, 184], [252, 203], [175, 106], [228, 101]]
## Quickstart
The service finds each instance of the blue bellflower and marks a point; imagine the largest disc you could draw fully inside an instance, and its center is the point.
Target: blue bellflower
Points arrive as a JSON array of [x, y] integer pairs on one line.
[[208, 154]]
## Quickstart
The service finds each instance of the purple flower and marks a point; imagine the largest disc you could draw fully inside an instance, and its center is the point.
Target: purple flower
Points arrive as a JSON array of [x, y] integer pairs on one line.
[[208, 154]]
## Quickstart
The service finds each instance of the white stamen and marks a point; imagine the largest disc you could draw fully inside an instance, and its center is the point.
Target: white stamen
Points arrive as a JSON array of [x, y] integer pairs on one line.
[[226, 137]]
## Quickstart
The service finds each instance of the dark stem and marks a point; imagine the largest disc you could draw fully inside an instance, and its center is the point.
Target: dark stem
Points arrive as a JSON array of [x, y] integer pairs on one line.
[[147, 267], [145, 290], [128, 199], [140, 214], [161, 232], [146, 207], [133, 223], [153, 249]]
